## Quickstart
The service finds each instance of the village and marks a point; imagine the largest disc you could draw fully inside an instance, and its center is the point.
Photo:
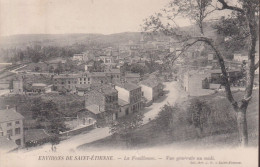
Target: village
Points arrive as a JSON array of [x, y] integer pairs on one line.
[[78, 97]]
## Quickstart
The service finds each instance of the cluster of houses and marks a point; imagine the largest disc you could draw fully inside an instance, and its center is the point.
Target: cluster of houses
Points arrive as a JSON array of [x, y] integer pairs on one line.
[[110, 93], [205, 80], [103, 102]]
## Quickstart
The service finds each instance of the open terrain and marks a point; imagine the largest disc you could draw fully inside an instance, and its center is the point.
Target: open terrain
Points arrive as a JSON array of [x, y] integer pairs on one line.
[[223, 134]]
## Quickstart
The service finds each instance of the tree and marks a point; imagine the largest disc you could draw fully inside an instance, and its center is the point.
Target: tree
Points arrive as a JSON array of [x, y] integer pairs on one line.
[[59, 68], [44, 110], [11, 85], [125, 126], [51, 69], [165, 118], [199, 112], [57, 125], [37, 69], [198, 11]]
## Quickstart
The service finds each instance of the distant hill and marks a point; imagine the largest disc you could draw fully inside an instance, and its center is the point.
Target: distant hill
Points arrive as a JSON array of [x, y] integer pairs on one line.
[[66, 39], [70, 39]]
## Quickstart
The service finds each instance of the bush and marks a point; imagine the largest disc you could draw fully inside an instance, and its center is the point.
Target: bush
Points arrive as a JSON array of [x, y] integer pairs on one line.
[[198, 113]]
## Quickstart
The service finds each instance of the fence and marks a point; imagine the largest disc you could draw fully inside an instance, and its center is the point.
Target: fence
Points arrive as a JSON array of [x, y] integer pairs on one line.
[[78, 131]]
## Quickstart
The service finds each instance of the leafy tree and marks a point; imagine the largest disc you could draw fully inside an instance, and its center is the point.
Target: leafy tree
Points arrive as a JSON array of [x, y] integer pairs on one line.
[[51, 69], [97, 67], [11, 85], [21, 55], [165, 118], [44, 110], [199, 112], [125, 126], [57, 125], [246, 13], [59, 69], [37, 68]]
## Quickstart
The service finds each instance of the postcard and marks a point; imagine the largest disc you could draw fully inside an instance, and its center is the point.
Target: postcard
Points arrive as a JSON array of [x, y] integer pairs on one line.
[[129, 83]]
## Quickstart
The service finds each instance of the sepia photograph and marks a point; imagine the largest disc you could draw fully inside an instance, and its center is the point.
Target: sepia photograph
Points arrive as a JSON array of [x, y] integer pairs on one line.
[[129, 83]]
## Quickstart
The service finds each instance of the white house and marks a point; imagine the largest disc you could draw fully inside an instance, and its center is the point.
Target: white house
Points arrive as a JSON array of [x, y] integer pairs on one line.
[[151, 89], [130, 95], [240, 57], [11, 126]]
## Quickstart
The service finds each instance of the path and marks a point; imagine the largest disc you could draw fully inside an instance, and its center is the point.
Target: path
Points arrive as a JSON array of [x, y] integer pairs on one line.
[[173, 94], [71, 144]]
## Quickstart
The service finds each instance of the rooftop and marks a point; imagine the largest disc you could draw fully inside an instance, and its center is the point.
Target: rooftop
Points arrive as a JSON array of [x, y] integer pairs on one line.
[[66, 76], [132, 75], [6, 144], [94, 109], [83, 87], [9, 115], [39, 84], [122, 102], [97, 74], [105, 89], [150, 82], [113, 71], [127, 85]]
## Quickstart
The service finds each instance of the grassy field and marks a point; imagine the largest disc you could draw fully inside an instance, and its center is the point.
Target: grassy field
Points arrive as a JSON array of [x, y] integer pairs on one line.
[[222, 132]]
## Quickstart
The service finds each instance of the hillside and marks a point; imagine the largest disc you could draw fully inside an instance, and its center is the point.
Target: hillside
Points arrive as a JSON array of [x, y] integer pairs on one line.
[[222, 133], [66, 39]]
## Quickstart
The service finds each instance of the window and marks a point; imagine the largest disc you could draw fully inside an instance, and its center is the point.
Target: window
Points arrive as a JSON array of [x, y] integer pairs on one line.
[[9, 124], [17, 122], [68, 82], [10, 132], [18, 142], [1, 133], [17, 131], [88, 79], [84, 79]]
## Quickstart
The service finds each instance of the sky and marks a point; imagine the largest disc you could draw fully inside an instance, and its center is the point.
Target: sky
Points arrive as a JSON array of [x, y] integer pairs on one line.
[[75, 16]]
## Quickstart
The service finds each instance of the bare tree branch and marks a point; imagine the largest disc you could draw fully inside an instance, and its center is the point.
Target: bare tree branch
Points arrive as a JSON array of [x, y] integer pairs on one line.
[[226, 6], [257, 65], [223, 70]]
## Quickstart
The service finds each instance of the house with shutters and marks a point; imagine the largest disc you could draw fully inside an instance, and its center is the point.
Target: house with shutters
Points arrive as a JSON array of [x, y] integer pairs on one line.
[[129, 97], [11, 126]]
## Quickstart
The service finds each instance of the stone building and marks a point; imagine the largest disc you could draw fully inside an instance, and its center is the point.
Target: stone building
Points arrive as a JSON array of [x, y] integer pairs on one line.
[[11, 126]]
